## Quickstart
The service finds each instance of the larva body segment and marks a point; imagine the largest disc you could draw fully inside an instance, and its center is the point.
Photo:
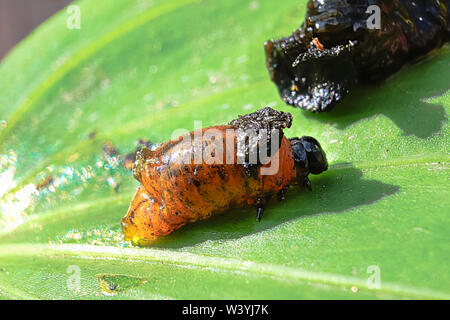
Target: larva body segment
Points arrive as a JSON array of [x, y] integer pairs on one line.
[[174, 192]]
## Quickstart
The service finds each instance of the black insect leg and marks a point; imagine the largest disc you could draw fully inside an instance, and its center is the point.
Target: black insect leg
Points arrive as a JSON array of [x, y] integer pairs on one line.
[[260, 206], [281, 194], [259, 213], [307, 184]]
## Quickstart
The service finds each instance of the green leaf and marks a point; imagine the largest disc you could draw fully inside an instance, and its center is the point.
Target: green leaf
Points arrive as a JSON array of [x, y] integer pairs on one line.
[[142, 69]]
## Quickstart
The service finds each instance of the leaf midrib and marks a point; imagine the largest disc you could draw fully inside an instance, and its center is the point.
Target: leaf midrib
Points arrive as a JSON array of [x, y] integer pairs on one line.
[[146, 255]]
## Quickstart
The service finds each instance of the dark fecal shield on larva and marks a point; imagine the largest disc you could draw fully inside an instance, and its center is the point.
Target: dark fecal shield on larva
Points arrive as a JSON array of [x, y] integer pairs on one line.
[[173, 193], [340, 44]]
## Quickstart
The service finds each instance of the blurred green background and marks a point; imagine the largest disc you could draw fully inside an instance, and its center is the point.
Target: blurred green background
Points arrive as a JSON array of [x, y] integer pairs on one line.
[[74, 101]]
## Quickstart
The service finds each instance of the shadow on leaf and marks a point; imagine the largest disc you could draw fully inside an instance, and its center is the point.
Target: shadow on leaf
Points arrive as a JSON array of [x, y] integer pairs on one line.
[[338, 190], [402, 98]]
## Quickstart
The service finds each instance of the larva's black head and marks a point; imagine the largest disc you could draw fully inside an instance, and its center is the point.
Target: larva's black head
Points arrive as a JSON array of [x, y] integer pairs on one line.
[[308, 155]]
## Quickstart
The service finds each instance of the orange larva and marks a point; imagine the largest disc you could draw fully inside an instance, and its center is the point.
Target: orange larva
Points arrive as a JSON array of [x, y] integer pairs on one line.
[[173, 192]]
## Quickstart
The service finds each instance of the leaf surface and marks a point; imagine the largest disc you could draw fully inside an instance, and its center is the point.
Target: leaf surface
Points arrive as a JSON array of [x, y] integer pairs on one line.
[[143, 69]]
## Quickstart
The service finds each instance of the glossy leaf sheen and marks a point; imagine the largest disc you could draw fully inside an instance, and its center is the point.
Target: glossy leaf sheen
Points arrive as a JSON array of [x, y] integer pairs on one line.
[[142, 69]]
